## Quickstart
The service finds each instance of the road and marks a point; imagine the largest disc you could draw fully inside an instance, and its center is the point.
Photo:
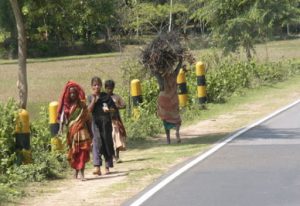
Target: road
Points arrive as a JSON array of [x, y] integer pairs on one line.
[[260, 165]]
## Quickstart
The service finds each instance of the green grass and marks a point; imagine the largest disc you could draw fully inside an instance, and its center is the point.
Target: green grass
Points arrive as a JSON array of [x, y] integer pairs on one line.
[[53, 59], [270, 51]]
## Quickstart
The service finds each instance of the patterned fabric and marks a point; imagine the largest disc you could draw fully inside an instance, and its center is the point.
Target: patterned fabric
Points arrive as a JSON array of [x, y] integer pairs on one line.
[[167, 102], [119, 132], [76, 117], [119, 135], [78, 137]]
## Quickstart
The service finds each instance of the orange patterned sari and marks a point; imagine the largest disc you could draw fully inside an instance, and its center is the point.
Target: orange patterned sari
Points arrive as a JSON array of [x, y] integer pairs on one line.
[[167, 102], [78, 137]]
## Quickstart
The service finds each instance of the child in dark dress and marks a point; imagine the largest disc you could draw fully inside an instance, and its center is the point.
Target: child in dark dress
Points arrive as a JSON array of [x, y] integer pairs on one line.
[[100, 104]]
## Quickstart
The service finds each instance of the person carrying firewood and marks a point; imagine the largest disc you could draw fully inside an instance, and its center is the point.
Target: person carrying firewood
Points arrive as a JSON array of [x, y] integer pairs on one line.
[[160, 56], [167, 102]]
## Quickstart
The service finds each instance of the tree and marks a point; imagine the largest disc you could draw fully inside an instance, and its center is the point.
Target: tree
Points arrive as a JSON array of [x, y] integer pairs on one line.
[[22, 49], [7, 26], [237, 23], [149, 17]]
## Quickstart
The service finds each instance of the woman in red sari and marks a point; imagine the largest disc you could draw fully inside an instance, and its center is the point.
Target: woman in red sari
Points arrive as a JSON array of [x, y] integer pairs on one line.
[[73, 113]]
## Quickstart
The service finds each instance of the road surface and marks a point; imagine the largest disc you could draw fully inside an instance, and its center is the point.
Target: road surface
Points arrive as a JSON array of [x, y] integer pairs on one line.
[[258, 166]]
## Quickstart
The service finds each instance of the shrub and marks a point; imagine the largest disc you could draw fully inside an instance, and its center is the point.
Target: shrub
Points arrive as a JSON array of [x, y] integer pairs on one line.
[[46, 164], [8, 115]]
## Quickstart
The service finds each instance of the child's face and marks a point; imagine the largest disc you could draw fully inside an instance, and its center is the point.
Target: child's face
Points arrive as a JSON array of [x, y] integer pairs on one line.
[[109, 90], [96, 87]]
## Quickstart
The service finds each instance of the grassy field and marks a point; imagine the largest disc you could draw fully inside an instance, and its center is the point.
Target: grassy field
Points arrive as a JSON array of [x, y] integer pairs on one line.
[[46, 77]]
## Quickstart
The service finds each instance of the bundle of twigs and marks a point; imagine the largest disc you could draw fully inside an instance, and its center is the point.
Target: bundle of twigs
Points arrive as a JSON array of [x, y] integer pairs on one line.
[[163, 53]]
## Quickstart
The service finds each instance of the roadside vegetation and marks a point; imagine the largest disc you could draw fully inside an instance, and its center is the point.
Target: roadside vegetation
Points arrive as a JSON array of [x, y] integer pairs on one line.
[[63, 40], [226, 78]]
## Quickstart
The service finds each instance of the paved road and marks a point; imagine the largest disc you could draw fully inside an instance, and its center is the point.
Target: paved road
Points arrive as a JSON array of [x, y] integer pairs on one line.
[[260, 167]]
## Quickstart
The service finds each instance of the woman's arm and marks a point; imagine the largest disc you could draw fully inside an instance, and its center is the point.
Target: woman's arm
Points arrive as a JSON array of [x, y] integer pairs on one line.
[[160, 81], [91, 102], [179, 65], [111, 104], [61, 123], [120, 103]]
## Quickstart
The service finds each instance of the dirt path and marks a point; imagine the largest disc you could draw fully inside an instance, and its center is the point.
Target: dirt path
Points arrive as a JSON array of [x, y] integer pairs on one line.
[[76, 192], [99, 190]]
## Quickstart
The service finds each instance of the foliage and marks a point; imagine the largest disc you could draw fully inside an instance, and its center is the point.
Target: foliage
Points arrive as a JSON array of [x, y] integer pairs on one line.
[[238, 23], [148, 17], [7, 21], [147, 125], [8, 115], [231, 76], [232, 24], [150, 93], [224, 77], [46, 164]]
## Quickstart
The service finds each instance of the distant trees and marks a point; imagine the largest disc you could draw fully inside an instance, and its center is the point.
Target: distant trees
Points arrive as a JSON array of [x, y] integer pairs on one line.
[[230, 24], [7, 24], [237, 23]]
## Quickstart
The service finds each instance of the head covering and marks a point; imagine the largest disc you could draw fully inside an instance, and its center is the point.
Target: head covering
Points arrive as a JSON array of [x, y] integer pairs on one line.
[[64, 104]]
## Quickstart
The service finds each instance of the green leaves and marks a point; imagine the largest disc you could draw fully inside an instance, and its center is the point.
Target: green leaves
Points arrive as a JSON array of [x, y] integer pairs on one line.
[[238, 23], [8, 114], [45, 164], [232, 76]]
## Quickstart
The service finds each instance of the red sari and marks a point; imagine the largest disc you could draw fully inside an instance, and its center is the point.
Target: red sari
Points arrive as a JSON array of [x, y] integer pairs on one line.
[[76, 118], [78, 137]]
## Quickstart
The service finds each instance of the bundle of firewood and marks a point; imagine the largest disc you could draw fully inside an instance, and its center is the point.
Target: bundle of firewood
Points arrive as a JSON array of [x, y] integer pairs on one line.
[[163, 53]]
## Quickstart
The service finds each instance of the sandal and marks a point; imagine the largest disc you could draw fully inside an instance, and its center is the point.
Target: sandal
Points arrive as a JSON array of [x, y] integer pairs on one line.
[[97, 171], [107, 171]]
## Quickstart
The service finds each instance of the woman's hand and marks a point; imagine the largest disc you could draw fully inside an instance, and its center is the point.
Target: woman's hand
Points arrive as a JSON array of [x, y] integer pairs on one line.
[[95, 98]]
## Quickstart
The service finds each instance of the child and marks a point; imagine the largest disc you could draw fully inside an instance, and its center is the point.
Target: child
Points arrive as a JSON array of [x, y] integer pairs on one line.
[[73, 112], [119, 133], [100, 104]]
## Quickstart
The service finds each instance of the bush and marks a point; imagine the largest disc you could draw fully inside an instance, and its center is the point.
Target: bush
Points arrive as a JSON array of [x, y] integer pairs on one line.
[[8, 115], [230, 76], [225, 77], [46, 164]]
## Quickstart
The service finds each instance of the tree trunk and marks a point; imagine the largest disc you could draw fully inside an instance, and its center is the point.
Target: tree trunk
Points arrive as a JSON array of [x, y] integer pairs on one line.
[[108, 33], [170, 17], [288, 30], [248, 53], [137, 26], [22, 55]]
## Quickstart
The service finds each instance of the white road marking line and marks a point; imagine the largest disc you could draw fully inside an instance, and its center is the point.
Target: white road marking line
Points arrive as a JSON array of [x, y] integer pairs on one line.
[[171, 177]]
